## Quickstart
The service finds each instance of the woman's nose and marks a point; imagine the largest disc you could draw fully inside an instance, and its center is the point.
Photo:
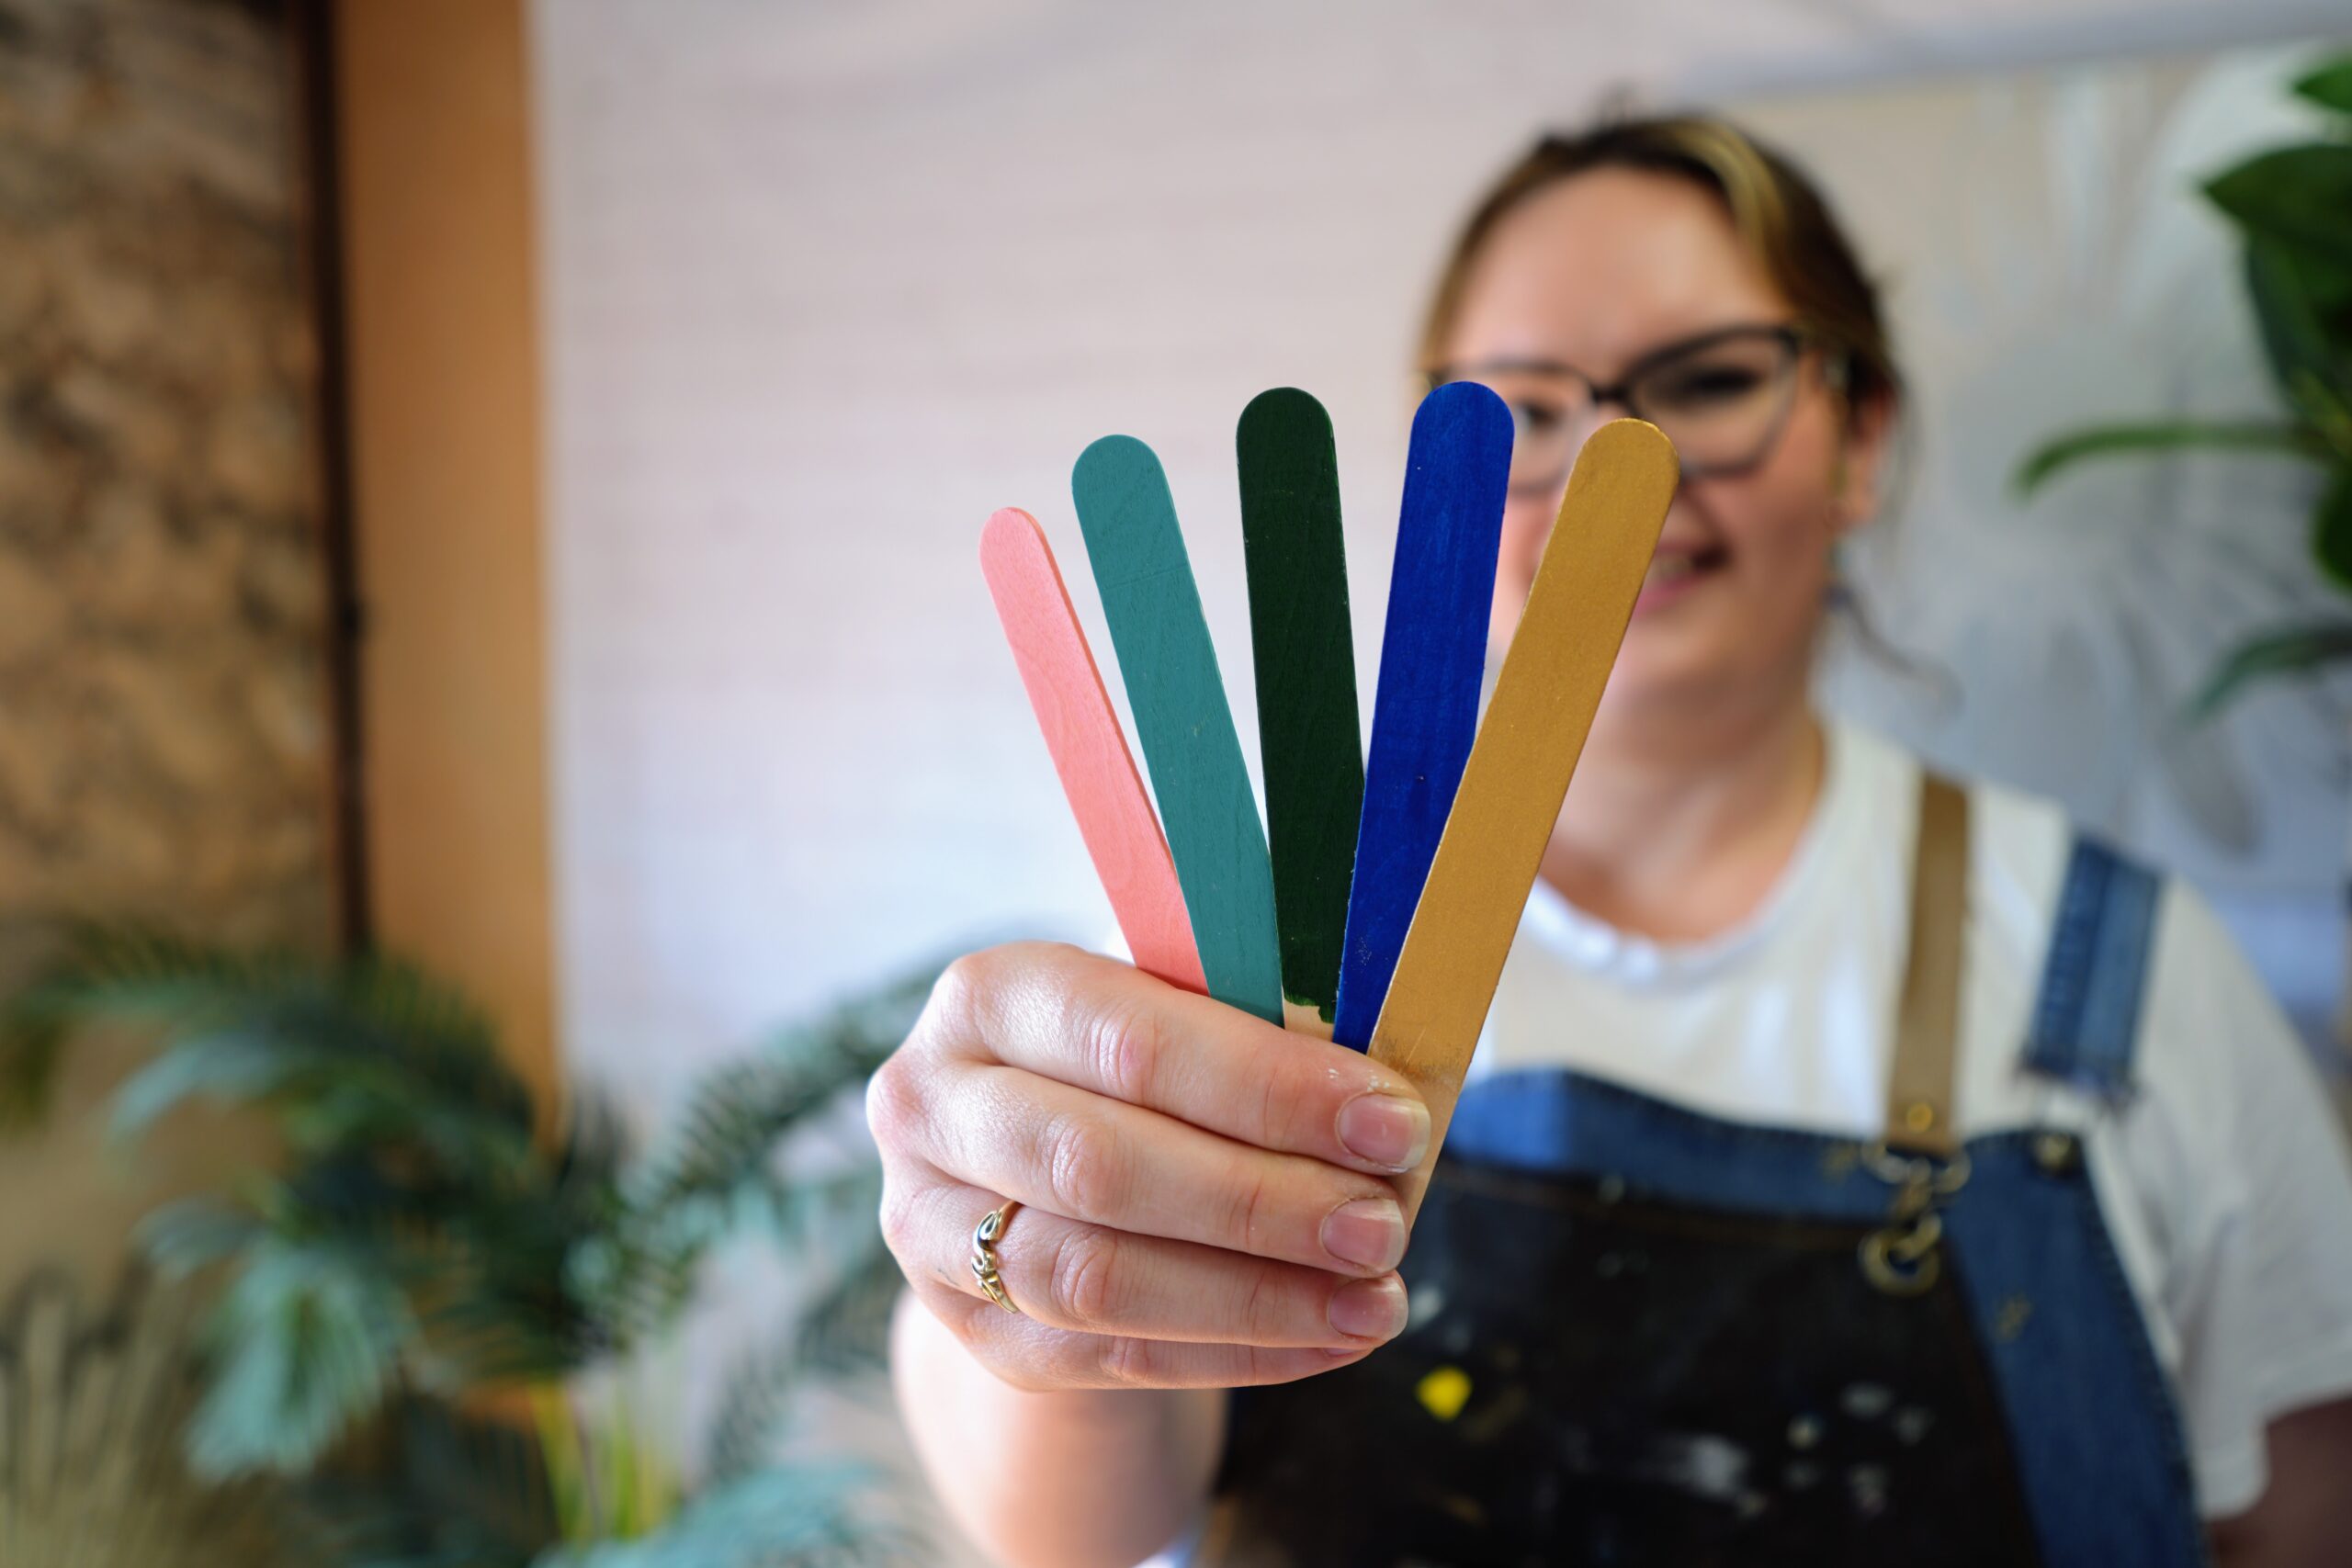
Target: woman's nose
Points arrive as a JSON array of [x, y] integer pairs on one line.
[[1592, 417], [1579, 429]]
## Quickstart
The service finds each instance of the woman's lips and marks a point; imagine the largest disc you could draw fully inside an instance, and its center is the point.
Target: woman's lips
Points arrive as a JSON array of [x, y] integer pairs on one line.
[[1674, 573]]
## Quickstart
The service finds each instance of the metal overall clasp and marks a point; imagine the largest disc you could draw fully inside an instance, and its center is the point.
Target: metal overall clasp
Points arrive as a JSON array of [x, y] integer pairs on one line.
[[1902, 1258]]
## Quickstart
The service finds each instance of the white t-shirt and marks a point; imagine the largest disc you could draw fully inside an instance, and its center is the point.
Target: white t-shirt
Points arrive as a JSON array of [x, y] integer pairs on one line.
[[2224, 1178]]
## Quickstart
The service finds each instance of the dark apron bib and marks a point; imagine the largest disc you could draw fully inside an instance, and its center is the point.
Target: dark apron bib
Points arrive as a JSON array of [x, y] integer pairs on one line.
[[1642, 1337], [1608, 1378]]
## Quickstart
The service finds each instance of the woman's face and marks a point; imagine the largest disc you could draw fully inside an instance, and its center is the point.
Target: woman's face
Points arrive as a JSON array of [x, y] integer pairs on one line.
[[1595, 273]]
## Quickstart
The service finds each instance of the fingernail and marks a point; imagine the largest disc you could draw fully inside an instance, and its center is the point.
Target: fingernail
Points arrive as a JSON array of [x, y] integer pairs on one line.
[[1368, 1233], [1387, 1129], [1369, 1309]]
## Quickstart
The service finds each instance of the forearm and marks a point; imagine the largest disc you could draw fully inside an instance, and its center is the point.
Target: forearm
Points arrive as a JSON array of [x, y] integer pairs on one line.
[[1086, 1479]]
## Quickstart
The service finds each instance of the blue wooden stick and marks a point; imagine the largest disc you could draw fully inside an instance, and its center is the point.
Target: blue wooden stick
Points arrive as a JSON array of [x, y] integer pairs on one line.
[[1440, 593], [1169, 667]]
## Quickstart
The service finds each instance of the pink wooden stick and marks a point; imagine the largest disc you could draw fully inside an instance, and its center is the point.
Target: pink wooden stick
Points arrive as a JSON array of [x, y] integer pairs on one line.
[[1089, 750]]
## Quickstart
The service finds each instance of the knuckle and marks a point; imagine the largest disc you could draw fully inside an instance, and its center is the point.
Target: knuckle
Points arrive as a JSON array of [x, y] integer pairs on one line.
[[1251, 1208], [900, 1231], [1124, 1040], [1268, 1367], [954, 994], [893, 1103], [1126, 1362], [1261, 1313], [1084, 1170], [1086, 1285], [1278, 1112]]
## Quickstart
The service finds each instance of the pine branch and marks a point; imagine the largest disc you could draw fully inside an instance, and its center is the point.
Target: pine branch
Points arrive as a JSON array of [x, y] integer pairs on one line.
[[738, 1113], [717, 1170]]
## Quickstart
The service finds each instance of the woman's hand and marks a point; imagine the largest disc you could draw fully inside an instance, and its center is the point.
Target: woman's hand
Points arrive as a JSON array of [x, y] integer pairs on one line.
[[1203, 1201]]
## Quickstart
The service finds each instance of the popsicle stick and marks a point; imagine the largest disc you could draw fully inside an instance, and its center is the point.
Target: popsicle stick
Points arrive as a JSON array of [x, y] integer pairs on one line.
[[1310, 748], [1433, 656], [1169, 667], [1090, 751], [1535, 725]]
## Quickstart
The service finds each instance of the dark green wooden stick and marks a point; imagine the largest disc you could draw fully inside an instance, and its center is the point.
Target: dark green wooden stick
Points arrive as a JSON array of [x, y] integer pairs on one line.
[[1308, 738]]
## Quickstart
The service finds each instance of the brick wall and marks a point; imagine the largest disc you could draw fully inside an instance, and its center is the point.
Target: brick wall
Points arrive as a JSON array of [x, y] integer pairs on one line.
[[163, 735], [162, 719]]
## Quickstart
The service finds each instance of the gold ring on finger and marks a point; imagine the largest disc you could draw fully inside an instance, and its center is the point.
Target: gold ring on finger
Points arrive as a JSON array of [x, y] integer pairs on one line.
[[984, 1261]]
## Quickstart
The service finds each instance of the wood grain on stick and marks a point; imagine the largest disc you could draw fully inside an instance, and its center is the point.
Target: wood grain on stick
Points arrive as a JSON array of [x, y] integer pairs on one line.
[[1169, 667], [1519, 771], [1090, 751], [1432, 658], [1310, 747]]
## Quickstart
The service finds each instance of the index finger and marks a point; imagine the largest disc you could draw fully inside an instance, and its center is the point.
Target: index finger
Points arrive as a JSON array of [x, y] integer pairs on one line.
[[1099, 1025]]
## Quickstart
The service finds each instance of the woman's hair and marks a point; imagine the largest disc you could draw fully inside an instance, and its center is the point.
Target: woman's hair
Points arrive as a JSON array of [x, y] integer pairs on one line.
[[1777, 212]]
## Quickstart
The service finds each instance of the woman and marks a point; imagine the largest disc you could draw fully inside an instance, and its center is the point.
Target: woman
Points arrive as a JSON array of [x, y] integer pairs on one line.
[[1855, 1167]]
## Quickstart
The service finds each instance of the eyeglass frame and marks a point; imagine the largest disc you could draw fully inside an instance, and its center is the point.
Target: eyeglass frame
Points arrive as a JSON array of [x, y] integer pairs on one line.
[[1795, 337]]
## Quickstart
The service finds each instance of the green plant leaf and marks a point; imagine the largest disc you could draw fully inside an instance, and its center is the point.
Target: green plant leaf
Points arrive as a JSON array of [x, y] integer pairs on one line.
[[483, 1471], [2330, 85], [850, 1331], [180, 1238], [438, 1489], [2332, 531], [716, 1170], [362, 1046], [2303, 308], [231, 1066], [797, 1516], [2287, 651], [441, 1489], [504, 1303], [415, 1236], [2165, 435], [305, 1343], [114, 975], [31, 1043], [843, 1330], [2300, 195]]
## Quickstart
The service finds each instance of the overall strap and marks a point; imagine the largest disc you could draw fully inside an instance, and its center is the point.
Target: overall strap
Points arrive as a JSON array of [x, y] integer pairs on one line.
[[2087, 1020], [1927, 1029]]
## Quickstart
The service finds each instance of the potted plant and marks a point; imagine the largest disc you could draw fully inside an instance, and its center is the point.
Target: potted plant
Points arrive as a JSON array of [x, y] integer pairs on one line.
[[416, 1291]]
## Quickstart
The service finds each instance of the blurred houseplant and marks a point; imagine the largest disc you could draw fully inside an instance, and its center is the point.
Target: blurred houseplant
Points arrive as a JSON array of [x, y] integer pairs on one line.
[[417, 1295], [2292, 206]]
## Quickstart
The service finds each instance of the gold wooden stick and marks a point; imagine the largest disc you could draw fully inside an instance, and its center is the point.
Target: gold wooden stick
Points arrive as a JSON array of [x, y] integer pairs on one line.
[[1520, 766]]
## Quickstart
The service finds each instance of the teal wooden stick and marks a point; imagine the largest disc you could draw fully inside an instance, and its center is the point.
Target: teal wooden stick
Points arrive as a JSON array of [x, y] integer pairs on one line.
[[1188, 746], [1310, 747]]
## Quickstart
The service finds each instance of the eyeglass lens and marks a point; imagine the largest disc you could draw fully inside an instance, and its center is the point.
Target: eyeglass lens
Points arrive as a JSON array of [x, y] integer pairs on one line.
[[1722, 403]]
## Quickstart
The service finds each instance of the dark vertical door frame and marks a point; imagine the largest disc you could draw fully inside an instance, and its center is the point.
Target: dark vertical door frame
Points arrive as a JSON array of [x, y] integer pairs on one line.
[[312, 36]]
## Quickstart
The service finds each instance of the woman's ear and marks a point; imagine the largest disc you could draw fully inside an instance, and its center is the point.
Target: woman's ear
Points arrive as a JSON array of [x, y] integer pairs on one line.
[[1857, 482]]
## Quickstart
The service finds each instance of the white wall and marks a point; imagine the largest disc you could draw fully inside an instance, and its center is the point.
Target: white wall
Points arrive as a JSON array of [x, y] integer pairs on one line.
[[827, 283]]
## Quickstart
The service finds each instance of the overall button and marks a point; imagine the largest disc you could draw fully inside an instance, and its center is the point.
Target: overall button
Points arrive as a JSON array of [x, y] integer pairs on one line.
[[2057, 1153]]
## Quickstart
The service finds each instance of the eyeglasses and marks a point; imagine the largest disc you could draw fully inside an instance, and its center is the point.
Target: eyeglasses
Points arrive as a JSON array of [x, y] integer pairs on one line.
[[1722, 398]]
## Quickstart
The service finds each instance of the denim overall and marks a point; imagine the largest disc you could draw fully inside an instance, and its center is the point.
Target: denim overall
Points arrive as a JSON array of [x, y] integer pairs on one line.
[[1646, 1335]]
